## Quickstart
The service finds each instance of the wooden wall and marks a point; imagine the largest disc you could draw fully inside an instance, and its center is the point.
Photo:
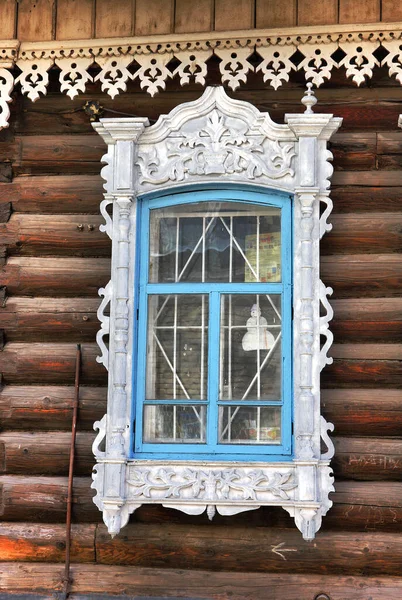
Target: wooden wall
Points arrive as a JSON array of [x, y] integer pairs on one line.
[[53, 261], [37, 20]]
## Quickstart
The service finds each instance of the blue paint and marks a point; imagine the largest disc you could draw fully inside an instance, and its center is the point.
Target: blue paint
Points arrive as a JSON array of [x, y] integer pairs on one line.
[[212, 450]]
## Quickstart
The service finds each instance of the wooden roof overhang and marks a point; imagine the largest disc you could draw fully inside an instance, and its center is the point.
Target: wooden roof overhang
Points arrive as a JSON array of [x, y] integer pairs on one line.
[[153, 60]]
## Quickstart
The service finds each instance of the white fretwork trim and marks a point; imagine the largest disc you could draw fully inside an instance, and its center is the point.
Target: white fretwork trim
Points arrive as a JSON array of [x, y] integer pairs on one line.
[[216, 140], [153, 60]]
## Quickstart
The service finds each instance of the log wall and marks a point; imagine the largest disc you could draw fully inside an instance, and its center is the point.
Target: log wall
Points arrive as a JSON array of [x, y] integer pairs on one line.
[[55, 259], [40, 20]]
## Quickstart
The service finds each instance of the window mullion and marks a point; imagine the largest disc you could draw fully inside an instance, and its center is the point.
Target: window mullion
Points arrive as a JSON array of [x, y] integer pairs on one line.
[[213, 367]]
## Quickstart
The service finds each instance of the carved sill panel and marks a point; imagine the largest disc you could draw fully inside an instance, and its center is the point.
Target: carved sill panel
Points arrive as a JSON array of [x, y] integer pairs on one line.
[[219, 141]]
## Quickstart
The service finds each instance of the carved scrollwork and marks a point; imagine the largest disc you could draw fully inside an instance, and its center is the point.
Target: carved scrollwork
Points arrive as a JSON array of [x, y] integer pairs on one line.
[[359, 61], [114, 74], [106, 227], [34, 77], [216, 149], [211, 485], [153, 72], [74, 75], [99, 426], [6, 87], [325, 426], [105, 324], [234, 66], [325, 227], [324, 325], [192, 65]]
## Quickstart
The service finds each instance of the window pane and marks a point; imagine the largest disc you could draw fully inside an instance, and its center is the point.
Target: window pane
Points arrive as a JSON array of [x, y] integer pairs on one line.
[[169, 424], [250, 347], [249, 425], [177, 351], [215, 242]]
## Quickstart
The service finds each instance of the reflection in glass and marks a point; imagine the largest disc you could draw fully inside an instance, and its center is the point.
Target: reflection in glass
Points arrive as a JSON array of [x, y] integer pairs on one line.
[[250, 347], [215, 242], [177, 350], [169, 424], [249, 425]]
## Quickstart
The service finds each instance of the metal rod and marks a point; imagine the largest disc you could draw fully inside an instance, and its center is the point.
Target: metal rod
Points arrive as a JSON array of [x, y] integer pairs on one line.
[[67, 580]]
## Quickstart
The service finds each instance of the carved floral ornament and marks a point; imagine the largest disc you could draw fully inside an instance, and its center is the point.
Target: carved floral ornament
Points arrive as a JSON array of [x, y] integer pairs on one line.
[[152, 61], [217, 140]]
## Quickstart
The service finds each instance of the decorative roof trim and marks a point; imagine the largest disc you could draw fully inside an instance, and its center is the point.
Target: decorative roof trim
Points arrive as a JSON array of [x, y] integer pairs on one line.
[[314, 50]]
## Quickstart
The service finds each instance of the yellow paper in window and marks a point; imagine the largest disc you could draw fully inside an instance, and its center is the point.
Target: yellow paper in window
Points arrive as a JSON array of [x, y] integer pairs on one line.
[[269, 257]]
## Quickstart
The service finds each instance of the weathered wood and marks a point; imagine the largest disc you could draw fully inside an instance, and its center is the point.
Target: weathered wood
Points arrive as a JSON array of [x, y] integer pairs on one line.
[[48, 408], [35, 20], [55, 276], [8, 19], [54, 194], [313, 13], [43, 499], [363, 275], [239, 549], [45, 453], [193, 17], [362, 374], [389, 142], [365, 199], [375, 412], [371, 233], [368, 178], [361, 11], [368, 459], [114, 18], [209, 585], [367, 351], [50, 364], [69, 154], [153, 16], [40, 543], [234, 14], [390, 11], [270, 13], [71, 235], [75, 19], [354, 151], [367, 320], [41, 320]]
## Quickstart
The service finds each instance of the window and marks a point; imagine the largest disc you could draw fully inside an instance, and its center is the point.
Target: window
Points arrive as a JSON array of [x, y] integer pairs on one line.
[[212, 343], [214, 360]]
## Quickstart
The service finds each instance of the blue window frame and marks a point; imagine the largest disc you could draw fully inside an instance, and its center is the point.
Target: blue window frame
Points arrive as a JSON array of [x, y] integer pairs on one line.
[[213, 374]]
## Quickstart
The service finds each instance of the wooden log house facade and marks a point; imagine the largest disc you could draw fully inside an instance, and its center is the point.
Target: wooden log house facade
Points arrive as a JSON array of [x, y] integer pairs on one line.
[[94, 58]]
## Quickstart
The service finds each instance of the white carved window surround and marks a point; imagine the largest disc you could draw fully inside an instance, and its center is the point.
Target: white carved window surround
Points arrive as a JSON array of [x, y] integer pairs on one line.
[[244, 150]]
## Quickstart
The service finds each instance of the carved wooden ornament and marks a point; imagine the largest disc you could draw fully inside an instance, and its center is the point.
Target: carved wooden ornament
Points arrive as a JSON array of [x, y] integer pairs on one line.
[[253, 150]]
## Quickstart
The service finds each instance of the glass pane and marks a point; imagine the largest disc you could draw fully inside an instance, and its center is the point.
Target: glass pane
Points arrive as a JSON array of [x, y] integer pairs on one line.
[[177, 351], [250, 347], [249, 425], [215, 242], [169, 424]]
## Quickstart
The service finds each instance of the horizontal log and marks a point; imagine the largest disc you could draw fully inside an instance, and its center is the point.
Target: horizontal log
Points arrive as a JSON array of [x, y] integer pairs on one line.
[[47, 453], [55, 276], [44, 499], [368, 178], [354, 151], [367, 351], [367, 320], [365, 275], [62, 154], [389, 142], [61, 235], [48, 408], [373, 412], [227, 548], [372, 233], [362, 373], [142, 582], [57, 194], [47, 319], [50, 364], [354, 197], [39, 542], [358, 505], [367, 459]]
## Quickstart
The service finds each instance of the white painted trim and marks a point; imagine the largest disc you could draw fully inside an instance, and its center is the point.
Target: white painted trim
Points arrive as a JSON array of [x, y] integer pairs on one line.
[[171, 153], [146, 59]]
